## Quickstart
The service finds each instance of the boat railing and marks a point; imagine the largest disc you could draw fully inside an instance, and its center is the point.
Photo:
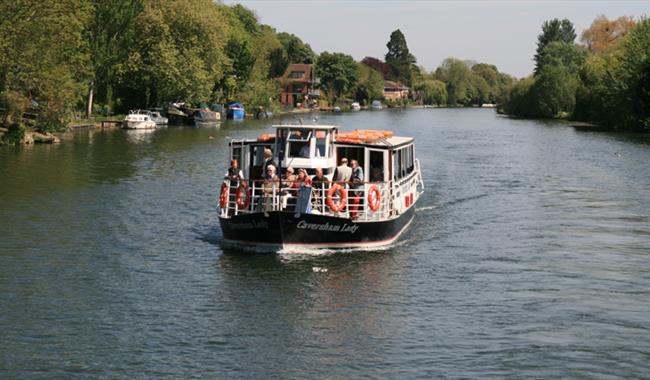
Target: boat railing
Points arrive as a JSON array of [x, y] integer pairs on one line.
[[362, 201]]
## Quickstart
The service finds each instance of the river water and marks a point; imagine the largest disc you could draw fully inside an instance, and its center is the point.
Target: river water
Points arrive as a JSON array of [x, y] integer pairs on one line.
[[529, 258]]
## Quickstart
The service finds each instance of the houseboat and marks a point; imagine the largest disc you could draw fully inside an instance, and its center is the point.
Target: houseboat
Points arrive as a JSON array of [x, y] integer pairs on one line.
[[284, 212], [206, 117], [236, 111]]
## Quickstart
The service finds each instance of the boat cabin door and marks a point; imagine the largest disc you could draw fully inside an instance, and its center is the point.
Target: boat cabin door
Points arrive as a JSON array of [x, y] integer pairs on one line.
[[256, 160], [237, 153], [377, 165]]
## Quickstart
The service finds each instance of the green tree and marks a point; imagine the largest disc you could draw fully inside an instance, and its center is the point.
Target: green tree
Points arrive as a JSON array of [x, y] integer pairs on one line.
[[554, 92], [629, 83], [457, 76], [241, 58], [44, 57], [370, 84], [296, 50], [433, 91], [553, 30], [569, 55], [173, 59], [400, 60], [338, 73], [110, 31]]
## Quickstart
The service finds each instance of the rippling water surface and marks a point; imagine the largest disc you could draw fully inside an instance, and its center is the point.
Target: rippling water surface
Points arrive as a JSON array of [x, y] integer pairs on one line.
[[528, 258]]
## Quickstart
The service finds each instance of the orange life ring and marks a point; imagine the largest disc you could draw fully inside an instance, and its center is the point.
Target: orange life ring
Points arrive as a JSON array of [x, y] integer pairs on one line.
[[243, 196], [223, 198], [336, 188], [374, 205]]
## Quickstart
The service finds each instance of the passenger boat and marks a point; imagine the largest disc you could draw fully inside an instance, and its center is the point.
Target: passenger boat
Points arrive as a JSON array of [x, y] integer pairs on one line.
[[289, 213], [138, 120]]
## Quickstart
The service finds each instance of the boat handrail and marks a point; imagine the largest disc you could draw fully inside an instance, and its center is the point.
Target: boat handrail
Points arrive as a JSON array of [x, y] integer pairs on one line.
[[275, 198]]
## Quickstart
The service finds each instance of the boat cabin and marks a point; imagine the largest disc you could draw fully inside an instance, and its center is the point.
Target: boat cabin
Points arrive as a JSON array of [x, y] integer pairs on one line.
[[390, 171], [382, 156]]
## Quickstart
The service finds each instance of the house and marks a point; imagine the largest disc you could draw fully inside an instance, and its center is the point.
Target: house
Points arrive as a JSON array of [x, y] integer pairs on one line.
[[394, 91], [299, 85], [378, 65]]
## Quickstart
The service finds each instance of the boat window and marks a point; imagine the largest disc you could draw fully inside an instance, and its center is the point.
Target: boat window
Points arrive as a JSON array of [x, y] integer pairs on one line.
[[376, 166], [236, 155], [299, 142], [321, 144]]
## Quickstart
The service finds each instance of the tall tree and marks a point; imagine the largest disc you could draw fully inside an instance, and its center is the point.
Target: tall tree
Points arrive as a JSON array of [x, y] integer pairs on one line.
[[553, 30], [297, 51], [370, 85], [337, 72], [110, 31], [400, 60], [44, 56]]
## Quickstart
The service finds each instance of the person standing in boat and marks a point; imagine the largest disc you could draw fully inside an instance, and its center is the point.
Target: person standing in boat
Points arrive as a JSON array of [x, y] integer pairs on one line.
[[343, 172], [268, 161], [303, 196], [234, 173], [356, 186], [321, 184], [270, 187]]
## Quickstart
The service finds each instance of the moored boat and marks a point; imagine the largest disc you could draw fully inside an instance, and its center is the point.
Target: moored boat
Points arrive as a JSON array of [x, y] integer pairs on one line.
[[138, 120], [236, 111], [157, 118], [205, 116], [368, 205]]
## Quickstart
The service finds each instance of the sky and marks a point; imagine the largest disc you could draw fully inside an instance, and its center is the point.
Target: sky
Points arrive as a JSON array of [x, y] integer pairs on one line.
[[502, 33]]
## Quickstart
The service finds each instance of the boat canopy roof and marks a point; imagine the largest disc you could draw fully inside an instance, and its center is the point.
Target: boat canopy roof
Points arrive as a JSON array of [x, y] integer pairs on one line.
[[300, 126], [367, 137], [372, 137]]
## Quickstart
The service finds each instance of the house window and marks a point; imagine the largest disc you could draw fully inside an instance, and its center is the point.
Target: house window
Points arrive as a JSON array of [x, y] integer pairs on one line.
[[298, 88], [297, 74]]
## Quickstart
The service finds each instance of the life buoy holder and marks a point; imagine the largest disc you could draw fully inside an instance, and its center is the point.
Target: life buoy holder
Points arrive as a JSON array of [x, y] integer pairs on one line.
[[223, 197], [374, 202], [343, 195], [243, 196]]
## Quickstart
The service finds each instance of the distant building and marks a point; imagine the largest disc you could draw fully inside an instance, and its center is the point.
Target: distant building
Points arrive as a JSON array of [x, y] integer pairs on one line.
[[299, 85], [395, 91]]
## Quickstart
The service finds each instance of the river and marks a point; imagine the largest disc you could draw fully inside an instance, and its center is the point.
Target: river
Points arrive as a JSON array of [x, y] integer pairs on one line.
[[529, 257]]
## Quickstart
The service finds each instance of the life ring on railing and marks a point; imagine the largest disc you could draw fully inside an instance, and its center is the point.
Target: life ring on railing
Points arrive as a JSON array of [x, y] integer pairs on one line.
[[243, 196], [223, 197], [374, 204], [343, 195]]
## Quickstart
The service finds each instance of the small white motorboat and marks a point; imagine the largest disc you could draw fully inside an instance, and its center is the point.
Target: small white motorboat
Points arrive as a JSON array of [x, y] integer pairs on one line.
[[137, 120]]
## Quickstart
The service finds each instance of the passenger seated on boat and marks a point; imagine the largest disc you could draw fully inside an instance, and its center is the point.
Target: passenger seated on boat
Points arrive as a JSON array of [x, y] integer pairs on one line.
[[289, 179], [321, 185], [356, 186], [304, 151], [270, 187]]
